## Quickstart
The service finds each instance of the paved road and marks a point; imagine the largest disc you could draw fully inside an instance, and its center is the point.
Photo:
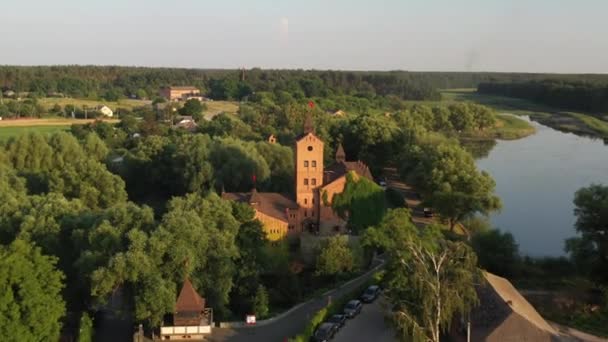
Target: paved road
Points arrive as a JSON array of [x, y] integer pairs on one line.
[[286, 326], [368, 326]]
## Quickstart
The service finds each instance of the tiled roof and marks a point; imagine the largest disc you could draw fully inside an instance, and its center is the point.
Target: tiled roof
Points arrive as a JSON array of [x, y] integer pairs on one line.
[[503, 313], [339, 169], [270, 203], [189, 300]]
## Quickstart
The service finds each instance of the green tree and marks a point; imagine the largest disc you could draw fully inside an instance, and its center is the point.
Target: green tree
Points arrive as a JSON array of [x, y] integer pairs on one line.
[[429, 279], [497, 252], [362, 202], [194, 108], [335, 257], [31, 307], [95, 147], [235, 162], [260, 302], [590, 250]]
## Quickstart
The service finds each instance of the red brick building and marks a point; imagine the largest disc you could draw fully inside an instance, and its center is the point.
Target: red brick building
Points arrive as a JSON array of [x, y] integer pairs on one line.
[[315, 185]]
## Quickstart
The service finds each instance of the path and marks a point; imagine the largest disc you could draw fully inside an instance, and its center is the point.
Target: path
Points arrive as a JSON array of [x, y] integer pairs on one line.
[[368, 326], [291, 323]]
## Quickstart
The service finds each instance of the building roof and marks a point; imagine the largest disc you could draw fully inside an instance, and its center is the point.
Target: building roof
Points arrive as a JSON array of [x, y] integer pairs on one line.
[[270, 203], [189, 300], [339, 169], [504, 314], [183, 88], [340, 154]]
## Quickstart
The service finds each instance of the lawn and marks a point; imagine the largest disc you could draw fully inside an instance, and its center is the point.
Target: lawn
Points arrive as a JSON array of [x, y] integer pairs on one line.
[[10, 128], [11, 131]]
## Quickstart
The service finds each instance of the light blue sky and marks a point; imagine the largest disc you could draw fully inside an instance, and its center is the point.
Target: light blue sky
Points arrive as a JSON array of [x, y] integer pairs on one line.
[[448, 35]]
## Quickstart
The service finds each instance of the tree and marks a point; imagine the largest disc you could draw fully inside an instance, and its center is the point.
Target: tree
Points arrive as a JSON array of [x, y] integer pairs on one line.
[[429, 279], [260, 302], [335, 257], [590, 250], [362, 202], [194, 108], [497, 252], [31, 307], [95, 147]]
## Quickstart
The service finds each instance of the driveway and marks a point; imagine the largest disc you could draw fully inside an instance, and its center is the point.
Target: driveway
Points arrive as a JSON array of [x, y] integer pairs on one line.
[[368, 326]]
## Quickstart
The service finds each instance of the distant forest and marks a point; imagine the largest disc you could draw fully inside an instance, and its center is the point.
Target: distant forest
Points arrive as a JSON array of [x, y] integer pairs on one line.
[[114, 82], [589, 95]]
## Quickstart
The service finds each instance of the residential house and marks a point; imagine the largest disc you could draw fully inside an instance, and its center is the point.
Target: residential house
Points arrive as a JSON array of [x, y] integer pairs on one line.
[[181, 93]]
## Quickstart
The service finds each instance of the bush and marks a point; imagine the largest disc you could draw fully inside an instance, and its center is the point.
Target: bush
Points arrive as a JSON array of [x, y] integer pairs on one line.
[[395, 198]]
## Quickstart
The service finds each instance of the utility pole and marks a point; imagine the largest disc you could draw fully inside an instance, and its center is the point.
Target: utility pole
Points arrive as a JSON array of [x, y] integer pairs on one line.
[[85, 111], [469, 328]]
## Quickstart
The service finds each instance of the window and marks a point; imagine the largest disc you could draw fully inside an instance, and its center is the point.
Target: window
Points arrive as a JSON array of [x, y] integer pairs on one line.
[[310, 148], [314, 163], [305, 181], [305, 201], [313, 181], [313, 201], [306, 163]]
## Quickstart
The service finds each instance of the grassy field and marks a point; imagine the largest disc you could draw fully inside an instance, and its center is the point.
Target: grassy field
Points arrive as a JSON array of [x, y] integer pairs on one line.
[[49, 102], [10, 128], [578, 123], [213, 107], [7, 132]]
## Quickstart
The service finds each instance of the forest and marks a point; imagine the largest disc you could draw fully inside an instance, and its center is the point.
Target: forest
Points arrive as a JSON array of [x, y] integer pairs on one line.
[[587, 96]]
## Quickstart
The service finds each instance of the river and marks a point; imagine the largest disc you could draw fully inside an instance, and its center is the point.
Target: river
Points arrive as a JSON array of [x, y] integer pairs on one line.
[[536, 178]]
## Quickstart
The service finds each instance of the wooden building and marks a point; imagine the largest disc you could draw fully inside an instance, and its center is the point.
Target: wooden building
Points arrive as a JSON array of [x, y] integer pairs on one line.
[[191, 320]]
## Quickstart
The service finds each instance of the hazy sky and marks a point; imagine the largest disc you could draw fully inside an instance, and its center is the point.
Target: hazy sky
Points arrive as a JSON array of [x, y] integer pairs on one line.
[[449, 35]]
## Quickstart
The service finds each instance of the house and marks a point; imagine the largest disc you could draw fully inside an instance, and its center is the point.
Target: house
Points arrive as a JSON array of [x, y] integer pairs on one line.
[[105, 111], [310, 210], [190, 320], [503, 315], [185, 122], [339, 113], [9, 93], [180, 93]]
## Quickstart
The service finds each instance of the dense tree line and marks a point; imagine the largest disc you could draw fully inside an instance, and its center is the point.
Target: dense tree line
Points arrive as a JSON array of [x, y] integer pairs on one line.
[[111, 83], [574, 95]]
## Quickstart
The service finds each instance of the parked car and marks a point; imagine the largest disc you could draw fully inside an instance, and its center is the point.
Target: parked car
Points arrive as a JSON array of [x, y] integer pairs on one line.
[[325, 332], [428, 212], [353, 308], [338, 320], [370, 294]]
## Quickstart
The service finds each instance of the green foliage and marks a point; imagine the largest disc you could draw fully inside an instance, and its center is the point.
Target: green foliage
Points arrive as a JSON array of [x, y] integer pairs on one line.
[[235, 162], [194, 108], [85, 328], [590, 251], [362, 202], [31, 307], [497, 252], [335, 257], [260, 302], [429, 279]]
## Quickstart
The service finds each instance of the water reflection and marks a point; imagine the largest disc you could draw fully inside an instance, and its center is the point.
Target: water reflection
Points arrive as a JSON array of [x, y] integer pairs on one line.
[[536, 178]]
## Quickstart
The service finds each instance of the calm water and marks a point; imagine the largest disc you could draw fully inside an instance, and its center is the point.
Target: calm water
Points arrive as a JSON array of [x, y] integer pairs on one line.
[[536, 178]]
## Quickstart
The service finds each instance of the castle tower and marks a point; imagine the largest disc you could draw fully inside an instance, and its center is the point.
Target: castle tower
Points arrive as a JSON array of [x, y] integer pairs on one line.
[[308, 172]]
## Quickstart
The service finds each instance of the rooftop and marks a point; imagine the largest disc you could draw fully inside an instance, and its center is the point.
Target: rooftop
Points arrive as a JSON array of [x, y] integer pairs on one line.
[[270, 203], [189, 300]]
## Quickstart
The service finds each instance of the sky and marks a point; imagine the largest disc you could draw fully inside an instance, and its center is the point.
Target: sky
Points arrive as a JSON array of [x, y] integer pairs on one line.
[[564, 36]]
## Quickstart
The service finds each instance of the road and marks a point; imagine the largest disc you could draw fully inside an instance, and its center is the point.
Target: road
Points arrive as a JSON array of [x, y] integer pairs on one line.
[[368, 326], [288, 325]]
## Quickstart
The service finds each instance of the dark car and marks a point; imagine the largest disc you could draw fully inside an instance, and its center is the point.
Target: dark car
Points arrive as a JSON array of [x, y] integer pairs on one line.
[[338, 320], [353, 308], [370, 294], [428, 212], [324, 332]]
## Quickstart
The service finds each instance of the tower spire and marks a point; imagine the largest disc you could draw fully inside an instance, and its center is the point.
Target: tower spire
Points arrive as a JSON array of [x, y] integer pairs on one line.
[[340, 155]]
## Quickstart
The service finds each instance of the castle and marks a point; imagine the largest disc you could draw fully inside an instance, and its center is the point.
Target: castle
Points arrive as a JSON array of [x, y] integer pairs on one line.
[[315, 185]]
